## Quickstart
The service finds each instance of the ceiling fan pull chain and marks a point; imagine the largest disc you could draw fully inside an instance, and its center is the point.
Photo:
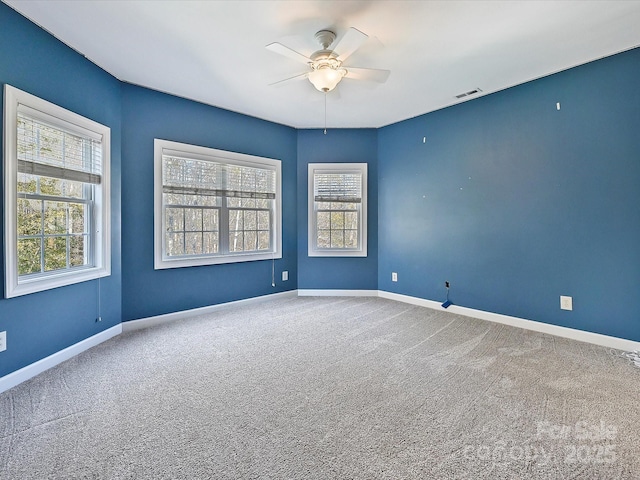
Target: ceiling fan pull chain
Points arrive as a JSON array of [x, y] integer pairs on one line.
[[325, 113]]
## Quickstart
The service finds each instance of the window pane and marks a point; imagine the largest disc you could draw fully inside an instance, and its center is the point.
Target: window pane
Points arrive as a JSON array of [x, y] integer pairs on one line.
[[263, 220], [351, 239], [77, 251], [236, 241], [337, 220], [233, 202], [27, 183], [235, 220], [173, 198], [55, 219], [210, 242], [77, 216], [324, 239], [263, 241], [61, 188], [324, 220], [210, 220], [175, 244], [191, 200], [174, 219], [210, 201], [248, 202], [193, 243], [351, 220], [200, 200], [29, 254], [193, 219], [250, 241], [250, 220], [29, 217], [55, 253], [337, 239]]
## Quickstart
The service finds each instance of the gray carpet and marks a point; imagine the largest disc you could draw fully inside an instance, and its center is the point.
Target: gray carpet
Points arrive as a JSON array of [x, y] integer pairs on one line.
[[327, 388]]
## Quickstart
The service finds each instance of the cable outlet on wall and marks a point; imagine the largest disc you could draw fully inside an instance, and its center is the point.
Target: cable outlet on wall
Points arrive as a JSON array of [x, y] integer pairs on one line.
[[394, 277], [3, 341], [285, 275], [566, 303]]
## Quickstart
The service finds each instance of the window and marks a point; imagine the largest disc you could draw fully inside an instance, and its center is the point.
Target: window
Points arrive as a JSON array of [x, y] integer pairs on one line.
[[213, 206], [337, 209], [56, 174]]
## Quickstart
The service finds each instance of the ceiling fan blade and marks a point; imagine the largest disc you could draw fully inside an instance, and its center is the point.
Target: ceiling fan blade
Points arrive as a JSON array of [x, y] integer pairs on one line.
[[350, 42], [287, 52], [371, 74], [300, 76]]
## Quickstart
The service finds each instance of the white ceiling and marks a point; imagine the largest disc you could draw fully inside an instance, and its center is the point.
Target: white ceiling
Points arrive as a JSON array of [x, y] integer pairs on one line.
[[213, 51]]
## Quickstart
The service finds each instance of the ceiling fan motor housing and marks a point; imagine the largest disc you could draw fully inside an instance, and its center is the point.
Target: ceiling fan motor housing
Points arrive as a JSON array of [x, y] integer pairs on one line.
[[325, 38]]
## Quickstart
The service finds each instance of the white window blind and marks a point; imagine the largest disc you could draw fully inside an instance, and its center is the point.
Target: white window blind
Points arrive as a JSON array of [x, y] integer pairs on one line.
[[338, 187], [199, 177], [50, 151]]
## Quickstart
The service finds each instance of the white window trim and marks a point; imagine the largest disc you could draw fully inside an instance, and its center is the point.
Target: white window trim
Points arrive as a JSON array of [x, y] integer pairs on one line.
[[336, 168], [101, 234], [160, 262]]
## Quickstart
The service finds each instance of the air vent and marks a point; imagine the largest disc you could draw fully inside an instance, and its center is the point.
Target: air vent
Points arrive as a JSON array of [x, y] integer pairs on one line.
[[466, 94]]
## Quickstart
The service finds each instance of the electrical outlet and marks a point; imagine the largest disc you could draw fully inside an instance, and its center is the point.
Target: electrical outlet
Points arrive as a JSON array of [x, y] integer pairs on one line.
[[394, 277], [285, 275], [3, 341], [566, 303], [447, 284]]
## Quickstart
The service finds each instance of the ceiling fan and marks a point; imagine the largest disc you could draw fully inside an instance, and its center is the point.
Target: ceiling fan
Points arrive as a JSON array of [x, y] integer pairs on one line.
[[325, 66]]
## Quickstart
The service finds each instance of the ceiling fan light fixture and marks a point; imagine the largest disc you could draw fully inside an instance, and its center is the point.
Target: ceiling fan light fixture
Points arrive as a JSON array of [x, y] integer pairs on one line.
[[326, 78], [324, 66]]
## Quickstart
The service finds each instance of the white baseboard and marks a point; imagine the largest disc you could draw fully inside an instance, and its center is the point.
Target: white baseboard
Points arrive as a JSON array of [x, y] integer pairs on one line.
[[558, 331], [14, 378], [337, 293], [580, 335], [170, 317]]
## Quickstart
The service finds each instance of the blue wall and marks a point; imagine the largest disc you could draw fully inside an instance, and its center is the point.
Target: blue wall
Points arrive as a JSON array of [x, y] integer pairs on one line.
[[338, 146], [41, 324], [516, 203], [147, 115]]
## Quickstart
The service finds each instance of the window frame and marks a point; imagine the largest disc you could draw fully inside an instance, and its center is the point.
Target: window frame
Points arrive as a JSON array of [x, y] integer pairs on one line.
[[100, 227], [337, 168], [162, 261]]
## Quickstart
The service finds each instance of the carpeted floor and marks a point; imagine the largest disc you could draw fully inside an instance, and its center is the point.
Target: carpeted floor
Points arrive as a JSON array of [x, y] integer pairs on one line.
[[327, 388]]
